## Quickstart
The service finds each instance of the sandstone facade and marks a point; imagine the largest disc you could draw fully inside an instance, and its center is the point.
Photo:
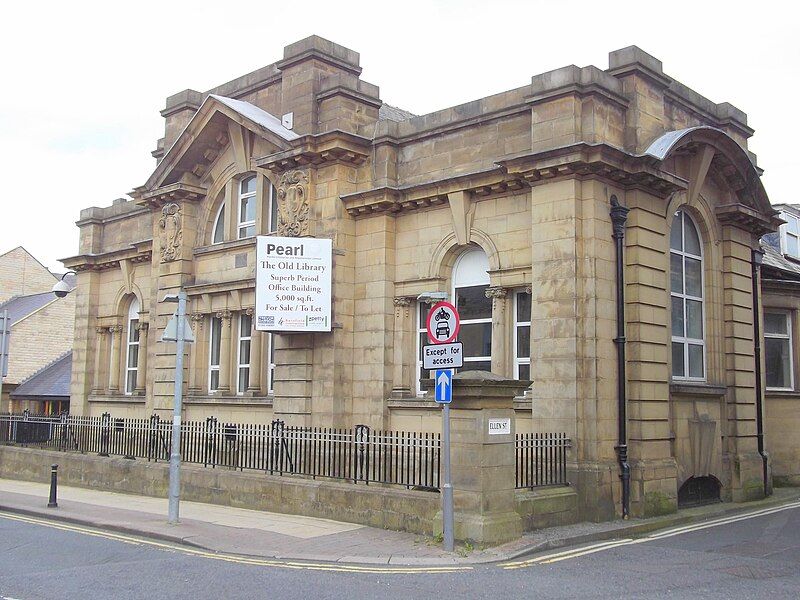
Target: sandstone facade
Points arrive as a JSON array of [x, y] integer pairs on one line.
[[502, 203]]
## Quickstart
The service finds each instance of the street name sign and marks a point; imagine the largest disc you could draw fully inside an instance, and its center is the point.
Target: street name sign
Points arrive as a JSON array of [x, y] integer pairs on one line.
[[443, 356], [499, 426], [443, 323], [444, 386], [293, 283]]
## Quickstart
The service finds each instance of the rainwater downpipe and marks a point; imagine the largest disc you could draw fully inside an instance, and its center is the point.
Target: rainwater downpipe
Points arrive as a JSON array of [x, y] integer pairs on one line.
[[619, 215], [757, 258]]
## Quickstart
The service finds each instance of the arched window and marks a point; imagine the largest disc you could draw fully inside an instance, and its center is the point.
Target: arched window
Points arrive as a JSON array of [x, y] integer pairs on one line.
[[132, 361], [219, 226], [470, 281], [247, 207], [686, 287]]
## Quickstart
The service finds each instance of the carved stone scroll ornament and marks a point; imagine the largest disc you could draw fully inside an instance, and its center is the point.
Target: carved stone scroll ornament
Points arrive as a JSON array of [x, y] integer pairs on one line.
[[293, 204], [170, 232]]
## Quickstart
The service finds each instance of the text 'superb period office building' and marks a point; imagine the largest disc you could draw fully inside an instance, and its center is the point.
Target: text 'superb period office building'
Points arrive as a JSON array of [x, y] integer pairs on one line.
[[504, 204]]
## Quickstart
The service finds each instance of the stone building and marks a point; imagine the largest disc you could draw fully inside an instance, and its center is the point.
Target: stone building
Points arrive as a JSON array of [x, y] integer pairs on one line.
[[41, 329], [504, 204]]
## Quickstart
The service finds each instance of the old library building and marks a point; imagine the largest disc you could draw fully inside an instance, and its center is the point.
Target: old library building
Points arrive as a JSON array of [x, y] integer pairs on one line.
[[528, 209]]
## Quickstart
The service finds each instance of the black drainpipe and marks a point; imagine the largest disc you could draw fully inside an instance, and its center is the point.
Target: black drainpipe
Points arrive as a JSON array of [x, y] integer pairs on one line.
[[619, 214], [757, 258]]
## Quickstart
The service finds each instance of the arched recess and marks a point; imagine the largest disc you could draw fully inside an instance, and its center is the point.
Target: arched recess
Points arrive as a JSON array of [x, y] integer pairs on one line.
[[697, 491], [448, 250], [123, 299]]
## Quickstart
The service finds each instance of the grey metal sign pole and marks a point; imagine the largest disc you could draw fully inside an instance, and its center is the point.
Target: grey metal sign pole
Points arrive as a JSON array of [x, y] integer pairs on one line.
[[447, 487], [4, 332], [175, 454]]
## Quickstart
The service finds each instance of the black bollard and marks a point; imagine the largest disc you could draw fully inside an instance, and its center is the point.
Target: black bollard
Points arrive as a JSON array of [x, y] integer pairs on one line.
[[53, 487]]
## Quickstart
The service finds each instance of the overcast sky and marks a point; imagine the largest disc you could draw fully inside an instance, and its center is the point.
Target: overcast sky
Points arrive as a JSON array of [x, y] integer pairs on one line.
[[82, 83]]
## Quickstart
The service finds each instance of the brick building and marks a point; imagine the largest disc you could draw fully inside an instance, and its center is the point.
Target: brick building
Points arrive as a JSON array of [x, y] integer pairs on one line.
[[504, 204]]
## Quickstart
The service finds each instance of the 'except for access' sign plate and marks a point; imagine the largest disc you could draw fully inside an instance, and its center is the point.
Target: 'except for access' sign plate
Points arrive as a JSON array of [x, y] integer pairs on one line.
[[443, 356]]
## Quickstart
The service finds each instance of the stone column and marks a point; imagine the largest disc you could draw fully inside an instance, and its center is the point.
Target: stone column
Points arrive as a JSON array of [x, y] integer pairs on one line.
[[499, 329], [483, 463], [195, 355], [113, 372], [100, 342], [256, 341], [403, 358], [225, 352], [141, 375]]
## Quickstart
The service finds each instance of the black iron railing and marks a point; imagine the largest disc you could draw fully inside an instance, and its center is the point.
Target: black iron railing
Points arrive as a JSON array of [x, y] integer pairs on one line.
[[541, 459], [360, 454]]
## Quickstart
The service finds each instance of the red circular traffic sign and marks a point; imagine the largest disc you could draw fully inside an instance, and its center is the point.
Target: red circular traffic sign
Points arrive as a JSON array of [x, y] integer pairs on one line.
[[442, 323]]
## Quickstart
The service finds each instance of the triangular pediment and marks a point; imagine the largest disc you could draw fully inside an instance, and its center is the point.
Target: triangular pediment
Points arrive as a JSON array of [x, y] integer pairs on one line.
[[219, 122]]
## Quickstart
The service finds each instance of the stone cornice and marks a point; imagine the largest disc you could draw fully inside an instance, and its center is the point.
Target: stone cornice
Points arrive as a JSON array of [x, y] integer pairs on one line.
[[316, 53], [595, 160], [220, 287], [747, 218], [174, 192], [341, 90], [318, 150], [137, 253], [489, 182]]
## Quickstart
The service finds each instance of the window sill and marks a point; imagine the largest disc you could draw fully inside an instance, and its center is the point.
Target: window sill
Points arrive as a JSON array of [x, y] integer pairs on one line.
[[697, 389], [118, 398], [231, 400], [781, 393], [225, 246]]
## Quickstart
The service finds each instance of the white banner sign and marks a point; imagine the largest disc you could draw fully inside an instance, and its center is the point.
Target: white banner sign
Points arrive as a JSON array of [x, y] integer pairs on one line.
[[293, 284]]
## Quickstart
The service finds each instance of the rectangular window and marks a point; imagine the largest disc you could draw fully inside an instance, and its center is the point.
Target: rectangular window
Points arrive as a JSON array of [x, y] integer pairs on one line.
[[132, 362], [214, 354], [422, 339], [247, 208], [243, 354], [791, 235], [778, 350], [273, 209], [522, 335], [475, 310]]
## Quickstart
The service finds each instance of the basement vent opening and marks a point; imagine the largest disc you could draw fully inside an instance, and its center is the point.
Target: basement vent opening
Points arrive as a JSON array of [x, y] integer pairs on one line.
[[697, 491]]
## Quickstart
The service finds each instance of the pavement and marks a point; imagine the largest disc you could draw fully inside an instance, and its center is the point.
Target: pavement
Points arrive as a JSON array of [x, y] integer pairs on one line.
[[231, 530]]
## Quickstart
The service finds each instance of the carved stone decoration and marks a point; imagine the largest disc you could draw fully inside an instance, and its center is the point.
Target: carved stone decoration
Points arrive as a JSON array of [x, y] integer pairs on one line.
[[170, 232], [497, 294], [293, 204]]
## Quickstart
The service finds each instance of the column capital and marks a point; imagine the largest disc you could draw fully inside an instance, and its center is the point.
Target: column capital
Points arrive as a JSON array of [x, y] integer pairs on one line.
[[225, 315], [496, 292], [101, 330], [249, 311], [403, 300], [529, 289], [143, 326], [115, 329]]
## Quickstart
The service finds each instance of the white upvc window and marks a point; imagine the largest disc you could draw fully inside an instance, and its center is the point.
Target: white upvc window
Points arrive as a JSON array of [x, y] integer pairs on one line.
[[215, 346], [686, 291], [132, 348], [470, 282], [247, 207], [522, 335], [219, 226], [790, 235], [270, 363], [778, 349], [243, 353]]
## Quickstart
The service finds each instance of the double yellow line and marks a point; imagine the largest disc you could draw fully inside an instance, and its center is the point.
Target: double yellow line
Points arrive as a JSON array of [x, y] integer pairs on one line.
[[232, 558], [547, 559]]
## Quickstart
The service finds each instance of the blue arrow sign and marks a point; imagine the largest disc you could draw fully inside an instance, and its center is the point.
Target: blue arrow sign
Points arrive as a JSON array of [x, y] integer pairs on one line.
[[444, 386]]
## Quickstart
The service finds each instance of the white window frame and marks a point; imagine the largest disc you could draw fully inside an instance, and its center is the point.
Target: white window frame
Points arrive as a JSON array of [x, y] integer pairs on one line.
[[779, 336], [133, 324], [786, 234], [421, 327], [272, 206], [518, 360], [686, 341], [240, 366], [211, 366], [220, 215], [250, 196], [474, 281]]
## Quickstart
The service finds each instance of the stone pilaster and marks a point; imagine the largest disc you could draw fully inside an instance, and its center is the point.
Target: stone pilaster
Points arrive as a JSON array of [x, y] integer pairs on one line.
[[499, 329], [403, 351], [115, 332], [141, 375], [225, 352], [196, 354], [256, 366], [99, 353]]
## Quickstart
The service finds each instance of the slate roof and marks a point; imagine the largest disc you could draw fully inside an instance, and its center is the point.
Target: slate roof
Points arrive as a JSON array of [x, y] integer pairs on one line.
[[20, 307], [257, 115], [52, 381], [787, 268], [387, 112]]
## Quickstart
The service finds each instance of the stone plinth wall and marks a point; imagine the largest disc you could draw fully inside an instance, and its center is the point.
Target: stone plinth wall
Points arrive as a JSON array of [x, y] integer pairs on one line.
[[547, 507], [373, 505]]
